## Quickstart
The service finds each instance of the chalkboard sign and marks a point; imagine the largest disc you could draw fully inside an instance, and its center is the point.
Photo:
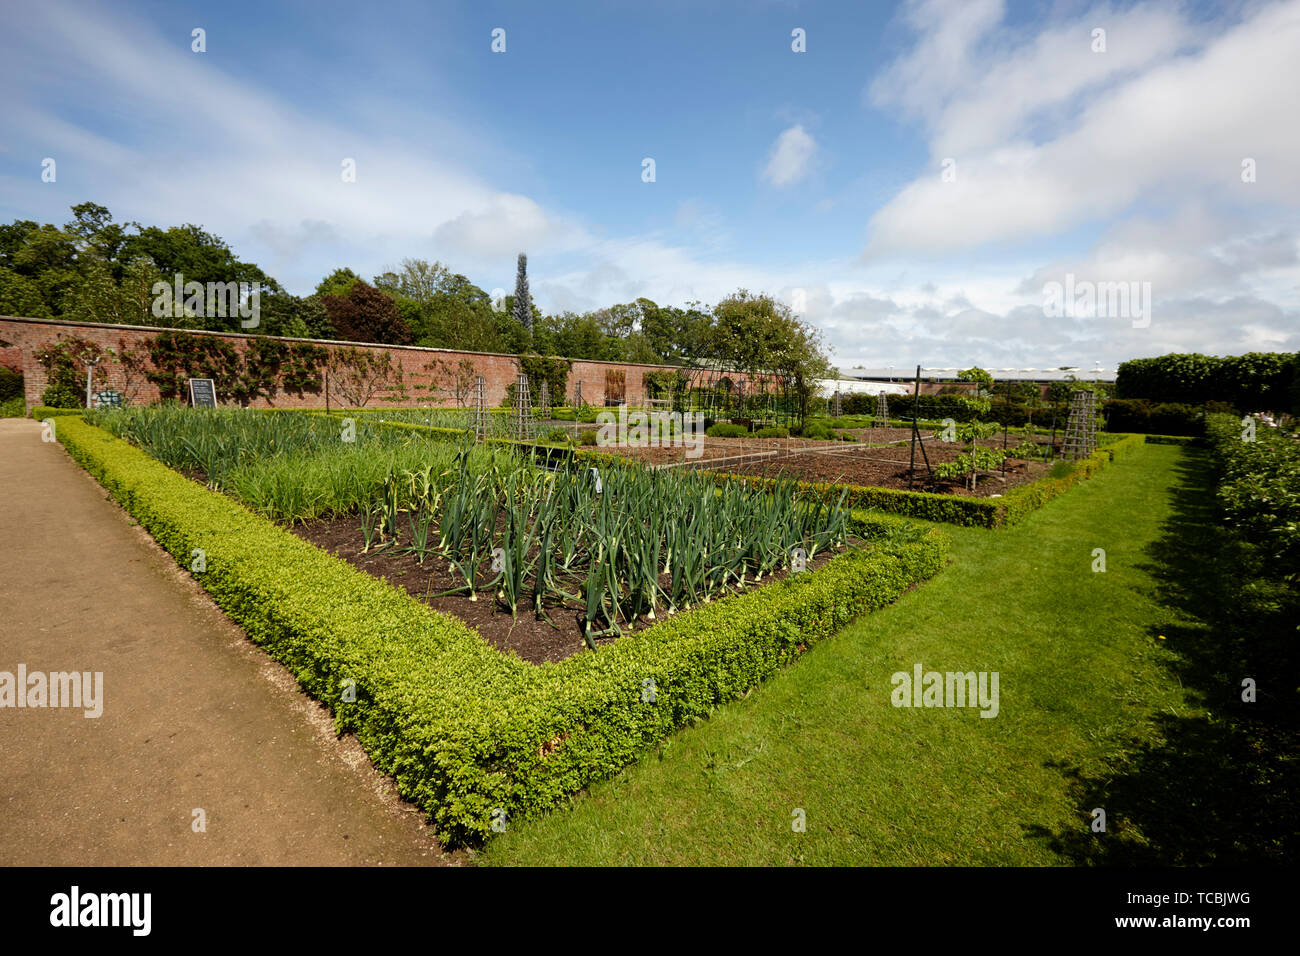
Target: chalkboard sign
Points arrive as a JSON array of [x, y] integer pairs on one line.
[[202, 393]]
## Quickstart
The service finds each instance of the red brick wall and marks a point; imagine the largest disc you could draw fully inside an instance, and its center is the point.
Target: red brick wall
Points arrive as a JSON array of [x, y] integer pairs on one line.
[[28, 336], [11, 357]]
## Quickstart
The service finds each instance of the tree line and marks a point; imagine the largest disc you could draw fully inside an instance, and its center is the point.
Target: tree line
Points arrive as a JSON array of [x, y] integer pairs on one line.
[[93, 269]]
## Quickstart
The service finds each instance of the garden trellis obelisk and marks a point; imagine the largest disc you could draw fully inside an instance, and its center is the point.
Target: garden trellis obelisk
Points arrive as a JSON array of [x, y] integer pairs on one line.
[[1081, 431], [480, 412], [525, 429], [544, 401], [882, 411], [836, 408]]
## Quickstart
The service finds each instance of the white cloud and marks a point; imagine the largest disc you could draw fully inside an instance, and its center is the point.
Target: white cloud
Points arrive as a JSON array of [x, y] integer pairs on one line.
[[507, 224], [1163, 126], [791, 156], [1126, 162]]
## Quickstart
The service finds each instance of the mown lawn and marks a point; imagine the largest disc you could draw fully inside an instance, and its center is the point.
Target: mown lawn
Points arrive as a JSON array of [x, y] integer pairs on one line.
[[1085, 681]]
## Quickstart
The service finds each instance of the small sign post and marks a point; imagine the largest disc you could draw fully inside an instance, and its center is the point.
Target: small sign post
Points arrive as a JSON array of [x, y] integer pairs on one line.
[[203, 393]]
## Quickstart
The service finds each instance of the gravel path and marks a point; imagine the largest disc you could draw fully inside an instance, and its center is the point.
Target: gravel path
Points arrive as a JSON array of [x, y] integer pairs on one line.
[[195, 717]]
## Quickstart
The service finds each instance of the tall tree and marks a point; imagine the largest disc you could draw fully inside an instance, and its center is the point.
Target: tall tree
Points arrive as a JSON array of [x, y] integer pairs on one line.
[[338, 282], [523, 304], [367, 315]]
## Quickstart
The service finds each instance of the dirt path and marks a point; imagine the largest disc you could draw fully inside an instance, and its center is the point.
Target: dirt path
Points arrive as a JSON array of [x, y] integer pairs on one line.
[[194, 715]]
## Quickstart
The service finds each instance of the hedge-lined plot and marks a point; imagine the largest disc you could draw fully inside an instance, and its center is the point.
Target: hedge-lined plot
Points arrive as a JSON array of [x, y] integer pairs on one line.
[[471, 735], [964, 510]]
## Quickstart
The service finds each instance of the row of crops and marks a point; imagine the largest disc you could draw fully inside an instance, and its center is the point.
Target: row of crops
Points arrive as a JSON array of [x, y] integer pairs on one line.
[[290, 467], [617, 546]]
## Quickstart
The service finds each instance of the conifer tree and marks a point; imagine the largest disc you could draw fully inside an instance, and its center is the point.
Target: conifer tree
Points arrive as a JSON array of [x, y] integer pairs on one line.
[[523, 303]]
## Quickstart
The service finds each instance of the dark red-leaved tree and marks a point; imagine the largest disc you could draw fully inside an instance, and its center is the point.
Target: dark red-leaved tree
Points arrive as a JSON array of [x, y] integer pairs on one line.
[[367, 315]]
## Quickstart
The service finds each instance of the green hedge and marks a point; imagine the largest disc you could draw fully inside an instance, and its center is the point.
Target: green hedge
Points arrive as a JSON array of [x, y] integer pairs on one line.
[[963, 509], [1259, 493], [1255, 381], [1173, 440], [42, 412], [726, 430], [462, 728]]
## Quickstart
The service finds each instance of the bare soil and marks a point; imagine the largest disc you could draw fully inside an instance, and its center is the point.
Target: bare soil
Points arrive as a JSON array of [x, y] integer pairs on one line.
[[890, 467], [717, 450]]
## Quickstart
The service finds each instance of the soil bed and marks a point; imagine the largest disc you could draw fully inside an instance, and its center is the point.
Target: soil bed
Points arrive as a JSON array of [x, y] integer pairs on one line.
[[718, 449], [888, 468], [532, 639]]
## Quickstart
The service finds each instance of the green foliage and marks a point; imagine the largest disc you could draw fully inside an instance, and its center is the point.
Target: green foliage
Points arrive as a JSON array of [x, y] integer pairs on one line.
[[727, 430], [960, 408], [541, 368], [61, 396], [522, 305], [1256, 381], [215, 443], [464, 730], [982, 379], [261, 369], [817, 430], [15, 407], [1139, 416], [443, 308], [970, 462], [773, 431], [20, 295], [663, 384], [11, 384], [360, 375], [41, 412], [1259, 490], [755, 334], [93, 269], [66, 363], [337, 283]]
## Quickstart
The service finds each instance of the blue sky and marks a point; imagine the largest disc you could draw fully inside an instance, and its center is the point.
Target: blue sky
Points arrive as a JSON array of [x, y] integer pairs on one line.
[[815, 176]]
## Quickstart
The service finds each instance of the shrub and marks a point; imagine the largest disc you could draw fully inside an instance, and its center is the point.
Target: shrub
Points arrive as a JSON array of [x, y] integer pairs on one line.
[[726, 430], [62, 396], [773, 431], [936, 407], [41, 412], [587, 436], [1256, 381], [11, 384], [1259, 491], [1138, 416], [15, 407], [467, 732], [817, 431]]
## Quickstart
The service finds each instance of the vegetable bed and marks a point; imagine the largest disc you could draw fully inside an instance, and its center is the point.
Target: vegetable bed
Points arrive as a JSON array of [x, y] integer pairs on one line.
[[473, 736]]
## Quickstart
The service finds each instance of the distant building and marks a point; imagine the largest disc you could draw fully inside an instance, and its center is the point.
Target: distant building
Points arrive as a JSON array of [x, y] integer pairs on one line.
[[935, 379]]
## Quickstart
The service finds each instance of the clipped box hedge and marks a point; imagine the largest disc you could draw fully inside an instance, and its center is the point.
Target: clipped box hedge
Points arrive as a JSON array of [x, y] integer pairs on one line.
[[465, 730], [42, 412]]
